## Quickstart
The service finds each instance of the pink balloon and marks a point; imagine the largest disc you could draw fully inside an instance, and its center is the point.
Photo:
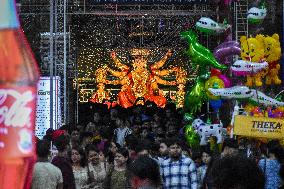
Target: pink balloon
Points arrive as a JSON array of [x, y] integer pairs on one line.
[[226, 80]]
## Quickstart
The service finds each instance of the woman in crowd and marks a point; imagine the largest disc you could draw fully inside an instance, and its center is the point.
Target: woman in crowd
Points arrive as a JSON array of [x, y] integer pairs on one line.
[[97, 169], [271, 165], [112, 149], [118, 177], [201, 171], [80, 172]]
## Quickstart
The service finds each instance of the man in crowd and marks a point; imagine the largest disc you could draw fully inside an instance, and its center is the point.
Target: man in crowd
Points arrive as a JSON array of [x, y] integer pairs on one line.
[[163, 150], [236, 172], [145, 173], [45, 174], [122, 130], [230, 147], [61, 161], [178, 171]]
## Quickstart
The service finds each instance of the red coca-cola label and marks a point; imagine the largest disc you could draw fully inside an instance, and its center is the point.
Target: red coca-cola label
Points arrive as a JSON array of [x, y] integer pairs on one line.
[[17, 121]]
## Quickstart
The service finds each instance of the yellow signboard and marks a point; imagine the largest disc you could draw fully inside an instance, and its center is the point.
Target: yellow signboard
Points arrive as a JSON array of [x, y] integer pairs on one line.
[[263, 127]]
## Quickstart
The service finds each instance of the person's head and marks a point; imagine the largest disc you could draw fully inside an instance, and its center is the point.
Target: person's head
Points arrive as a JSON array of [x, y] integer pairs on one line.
[[86, 138], [206, 156], [61, 143], [142, 149], [97, 117], [121, 157], [196, 157], [113, 114], [102, 155], [154, 126], [78, 156], [121, 120], [164, 151], [43, 148], [230, 147], [275, 150], [145, 170], [75, 135], [113, 147], [236, 172], [174, 145], [131, 142], [93, 154], [80, 127]]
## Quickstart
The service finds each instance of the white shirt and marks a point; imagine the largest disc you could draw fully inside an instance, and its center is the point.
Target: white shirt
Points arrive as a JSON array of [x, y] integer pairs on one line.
[[46, 175], [121, 133]]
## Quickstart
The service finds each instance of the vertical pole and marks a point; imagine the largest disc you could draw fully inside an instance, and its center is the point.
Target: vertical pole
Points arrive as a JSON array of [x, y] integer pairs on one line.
[[65, 62], [282, 59], [51, 60], [55, 54]]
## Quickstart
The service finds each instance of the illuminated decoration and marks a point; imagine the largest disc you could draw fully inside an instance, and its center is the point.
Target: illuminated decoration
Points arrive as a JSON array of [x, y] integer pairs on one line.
[[138, 82], [181, 81], [96, 37], [149, 2]]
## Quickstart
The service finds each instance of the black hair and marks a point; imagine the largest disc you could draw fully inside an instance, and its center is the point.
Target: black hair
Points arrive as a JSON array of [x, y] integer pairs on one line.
[[85, 135], [75, 129], [48, 134], [146, 168], [236, 172], [196, 154], [275, 148], [173, 141], [82, 153], [61, 143], [231, 143], [91, 147], [43, 148], [164, 141], [131, 141], [125, 153], [281, 172], [206, 149], [142, 145]]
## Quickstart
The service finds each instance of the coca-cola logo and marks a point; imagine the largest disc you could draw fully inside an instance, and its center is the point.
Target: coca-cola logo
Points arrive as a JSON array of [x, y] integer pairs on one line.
[[14, 111]]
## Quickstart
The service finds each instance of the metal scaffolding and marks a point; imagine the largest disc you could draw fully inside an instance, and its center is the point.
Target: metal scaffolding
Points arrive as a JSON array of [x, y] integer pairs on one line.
[[53, 22]]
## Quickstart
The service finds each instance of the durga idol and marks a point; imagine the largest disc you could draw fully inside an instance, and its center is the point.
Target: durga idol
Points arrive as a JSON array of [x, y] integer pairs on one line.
[[139, 81]]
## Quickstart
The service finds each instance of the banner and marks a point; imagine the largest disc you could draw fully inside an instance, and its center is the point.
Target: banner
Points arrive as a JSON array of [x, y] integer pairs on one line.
[[263, 127], [149, 2], [43, 108]]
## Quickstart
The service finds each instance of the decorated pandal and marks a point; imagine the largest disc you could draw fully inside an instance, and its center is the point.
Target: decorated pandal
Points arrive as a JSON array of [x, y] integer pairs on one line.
[[138, 82]]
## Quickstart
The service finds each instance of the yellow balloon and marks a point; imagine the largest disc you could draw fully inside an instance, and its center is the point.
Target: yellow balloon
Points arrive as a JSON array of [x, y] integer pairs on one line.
[[216, 83]]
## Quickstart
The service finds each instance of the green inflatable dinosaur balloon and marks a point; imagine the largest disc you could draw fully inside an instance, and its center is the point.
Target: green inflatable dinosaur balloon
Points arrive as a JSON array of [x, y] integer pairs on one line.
[[191, 136], [196, 95], [199, 54]]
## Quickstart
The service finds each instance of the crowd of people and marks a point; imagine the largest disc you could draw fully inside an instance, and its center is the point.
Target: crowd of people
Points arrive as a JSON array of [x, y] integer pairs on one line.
[[143, 147]]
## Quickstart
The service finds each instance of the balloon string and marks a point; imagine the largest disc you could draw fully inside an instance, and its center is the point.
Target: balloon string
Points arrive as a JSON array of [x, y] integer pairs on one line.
[[278, 94]]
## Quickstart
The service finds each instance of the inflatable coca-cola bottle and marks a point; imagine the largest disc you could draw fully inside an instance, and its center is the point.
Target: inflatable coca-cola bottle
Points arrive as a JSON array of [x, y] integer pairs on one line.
[[18, 80]]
